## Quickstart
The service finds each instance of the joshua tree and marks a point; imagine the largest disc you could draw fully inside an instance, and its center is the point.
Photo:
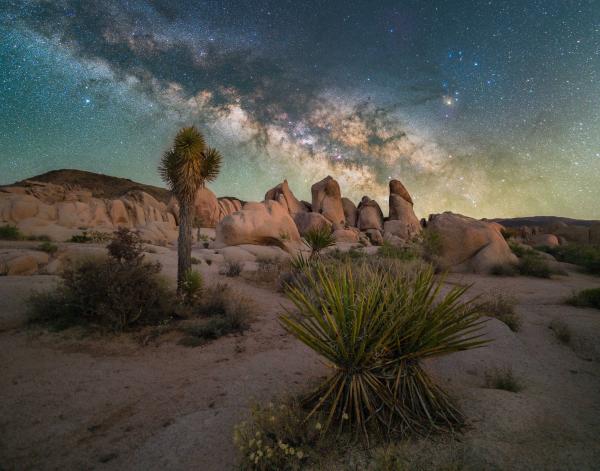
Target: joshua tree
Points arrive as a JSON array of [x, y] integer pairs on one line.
[[185, 168]]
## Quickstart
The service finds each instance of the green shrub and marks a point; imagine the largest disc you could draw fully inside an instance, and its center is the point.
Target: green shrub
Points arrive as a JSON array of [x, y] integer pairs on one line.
[[82, 238], [532, 264], [501, 307], [561, 331], [504, 270], [375, 327], [9, 232], [502, 378], [519, 249], [586, 298], [318, 239], [586, 256], [48, 247], [116, 293], [432, 243], [387, 250], [220, 311], [191, 287], [232, 269], [125, 246]]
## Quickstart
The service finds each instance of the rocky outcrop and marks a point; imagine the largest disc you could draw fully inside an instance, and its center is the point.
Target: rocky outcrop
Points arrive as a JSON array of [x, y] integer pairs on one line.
[[350, 212], [308, 221], [546, 240], [348, 236], [209, 209], [266, 223], [370, 215], [327, 200], [469, 245], [403, 222], [46, 209], [284, 195]]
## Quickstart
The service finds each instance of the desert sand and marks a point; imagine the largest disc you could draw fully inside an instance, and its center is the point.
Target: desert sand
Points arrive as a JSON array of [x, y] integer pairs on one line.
[[73, 402]]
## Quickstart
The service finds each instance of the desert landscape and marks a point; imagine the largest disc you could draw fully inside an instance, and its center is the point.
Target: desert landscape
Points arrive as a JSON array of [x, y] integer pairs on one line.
[[278, 235], [156, 396]]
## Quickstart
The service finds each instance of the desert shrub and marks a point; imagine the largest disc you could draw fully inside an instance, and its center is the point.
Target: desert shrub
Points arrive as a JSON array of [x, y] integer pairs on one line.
[[502, 378], [586, 256], [232, 269], [375, 327], [318, 239], [509, 232], [278, 438], [82, 238], [586, 298], [518, 249], [561, 331], [126, 246], [388, 250], [196, 261], [219, 311], [191, 287], [9, 232], [502, 307], [48, 247], [116, 293], [269, 269], [532, 264], [504, 269], [431, 242], [345, 256]]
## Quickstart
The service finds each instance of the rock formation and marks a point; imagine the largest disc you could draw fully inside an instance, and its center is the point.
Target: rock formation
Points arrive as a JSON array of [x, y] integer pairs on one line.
[[469, 245], [266, 223], [370, 215], [306, 221], [327, 200], [403, 222], [350, 212], [284, 195]]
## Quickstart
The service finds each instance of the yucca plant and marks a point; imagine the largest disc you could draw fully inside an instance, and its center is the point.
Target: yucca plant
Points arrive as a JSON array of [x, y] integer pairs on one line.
[[318, 239], [374, 328], [186, 168]]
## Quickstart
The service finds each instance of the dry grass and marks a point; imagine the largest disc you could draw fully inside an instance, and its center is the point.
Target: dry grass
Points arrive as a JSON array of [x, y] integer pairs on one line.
[[561, 331], [502, 307], [502, 378]]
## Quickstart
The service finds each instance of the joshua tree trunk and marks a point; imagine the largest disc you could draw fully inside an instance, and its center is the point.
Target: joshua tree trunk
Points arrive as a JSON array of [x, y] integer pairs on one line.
[[184, 242]]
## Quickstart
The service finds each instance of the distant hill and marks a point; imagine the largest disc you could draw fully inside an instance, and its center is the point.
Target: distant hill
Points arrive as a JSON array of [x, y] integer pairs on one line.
[[101, 186], [542, 221]]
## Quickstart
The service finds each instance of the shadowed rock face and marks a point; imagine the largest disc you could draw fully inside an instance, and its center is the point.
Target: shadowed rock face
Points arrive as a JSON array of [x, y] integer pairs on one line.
[[327, 200], [350, 212], [403, 222], [468, 244], [266, 223], [284, 195], [370, 215]]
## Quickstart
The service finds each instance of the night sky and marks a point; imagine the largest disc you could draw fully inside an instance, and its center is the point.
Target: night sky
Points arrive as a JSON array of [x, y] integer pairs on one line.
[[487, 108]]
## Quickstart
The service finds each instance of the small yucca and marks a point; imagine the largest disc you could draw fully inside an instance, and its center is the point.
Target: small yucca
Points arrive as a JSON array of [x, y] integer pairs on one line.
[[374, 328], [318, 239]]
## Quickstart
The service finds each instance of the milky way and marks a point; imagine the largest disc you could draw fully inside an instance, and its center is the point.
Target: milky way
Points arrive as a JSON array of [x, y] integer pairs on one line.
[[484, 108]]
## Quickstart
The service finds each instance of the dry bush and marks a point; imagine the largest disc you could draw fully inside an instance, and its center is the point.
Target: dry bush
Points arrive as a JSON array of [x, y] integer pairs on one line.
[[561, 331], [502, 307], [231, 269], [502, 378]]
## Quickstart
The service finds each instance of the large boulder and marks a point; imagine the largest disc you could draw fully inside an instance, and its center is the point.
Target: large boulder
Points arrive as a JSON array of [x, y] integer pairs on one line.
[[284, 195], [370, 215], [546, 240], [469, 245], [267, 223], [206, 208], [327, 200], [347, 236], [308, 221], [350, 212], [403, 222]]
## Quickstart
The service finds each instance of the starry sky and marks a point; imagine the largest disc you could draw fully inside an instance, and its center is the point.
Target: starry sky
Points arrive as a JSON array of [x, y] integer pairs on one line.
[[487, 108]]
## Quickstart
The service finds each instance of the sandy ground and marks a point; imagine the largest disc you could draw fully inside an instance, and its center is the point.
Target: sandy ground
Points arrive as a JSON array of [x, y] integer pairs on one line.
[[110, 403]]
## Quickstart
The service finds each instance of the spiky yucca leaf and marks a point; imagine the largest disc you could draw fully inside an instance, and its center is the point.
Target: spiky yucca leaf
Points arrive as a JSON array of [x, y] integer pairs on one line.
[[374, 327], [318, 239], [211, 164]]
